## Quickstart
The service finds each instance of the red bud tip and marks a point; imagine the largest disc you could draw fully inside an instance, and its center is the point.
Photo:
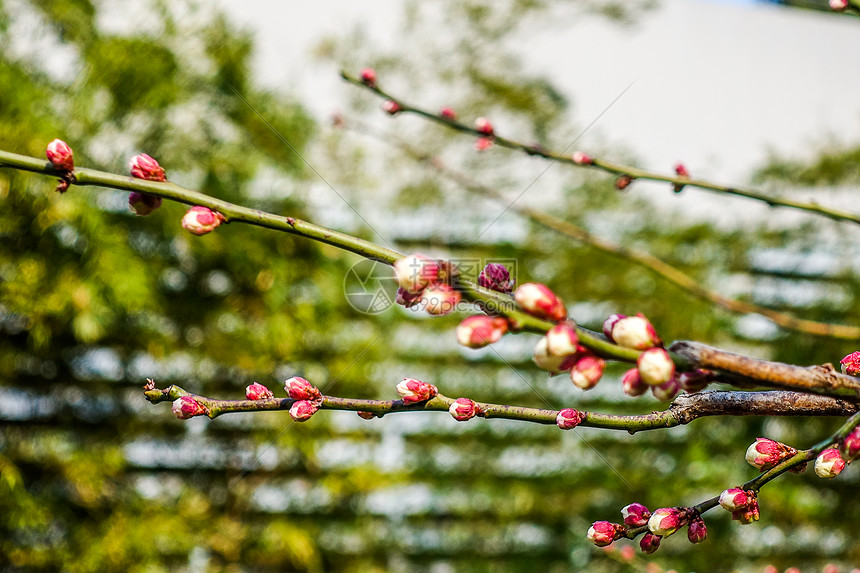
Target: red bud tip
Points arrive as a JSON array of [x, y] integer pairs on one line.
[[681, 170], [581, 158], [298, 388], [537, 299], [666, 521], [483, 126], [851, 364], [622, 182], [60, 155], [603, 533], [464, 409], [649, 543], [368, 77], [187, 407], [145, 167], [440, 299], [143, 203], [415, 272], [850, 446], [391, 107], [635, 515], [480, 330], [257, 392], [496, 277], [568, 418], [412, 390], [735, 498], [302, 410], [698, 531], [666, 391], [448, 113], [829, 463], [587, 371], [201, 220], [765, 453], [632, 383], [483, 143], [839, 5], [635, 332]]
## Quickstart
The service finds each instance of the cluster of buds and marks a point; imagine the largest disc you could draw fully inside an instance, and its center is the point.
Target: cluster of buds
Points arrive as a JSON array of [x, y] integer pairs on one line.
[[662, 523], [187, 407], [681, 172], [559, 350], [308, 398], [742, 504], [201, 220], [425, 280], [463, 409], [485, 128], [412, 391], [62, 159], [145, 167], [765, 453]]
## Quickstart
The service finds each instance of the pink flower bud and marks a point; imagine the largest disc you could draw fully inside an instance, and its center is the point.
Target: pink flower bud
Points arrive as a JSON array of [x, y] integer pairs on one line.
[[201, 220], [257, 392], [667, 391], [568, 419], [391, 107], [483, 126], [368, 77], [496, 277], [415, 272], [60, 155], [464, 409], [839, 5], [480, 330], [407, 299], [665, 521], [483, 143], [145, 167], [587, 371], [298, 388], [695, 380], [187, 407], [440, 299], [302, 410], [635, 515], [829, 463], [143, 203], [581, 158], [655, 366], [851, 364], [448, 113], [603, 533], [622, 182], [650, 543], [561, 340], [850, 447], [551, 362], [412, 390], [537, 299], [765, 453], [748, 514], [610, 323], [698, 531], [632, 383], [734, 499], [681, 170], [633, 332]]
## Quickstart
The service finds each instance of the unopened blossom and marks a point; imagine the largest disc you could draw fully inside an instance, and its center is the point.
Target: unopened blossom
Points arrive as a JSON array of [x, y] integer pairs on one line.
[[407, 299], [680, 171], [665, 521], [448, 113], [562, 340], [734, 499], [587, 371], [551, 362], [464, 409], [698, 531], [695, 380], [568, 418], [201, 220], [610, 322], [765, 453], [632, 383], [851, 364], [368, 77], [187, 407], [581, 158], [483, 126], [412, 390], [496, 277], [747, 514], [257, 391], [483, 143], [60, 155], [666, 391], [622, 182], [143, 203], [655, 366], [635, 515], [850, 446], [603, 533], [440, 299], [839, 5], [632, 332], [415, 272], [829, 463], [538, 300], [480, 330], [298, 388], [391, 107], [650, 543], [145, 167], [302, 410]]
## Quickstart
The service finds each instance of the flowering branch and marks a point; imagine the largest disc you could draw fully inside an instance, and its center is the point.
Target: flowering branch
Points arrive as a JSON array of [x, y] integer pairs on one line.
[[625, 173]]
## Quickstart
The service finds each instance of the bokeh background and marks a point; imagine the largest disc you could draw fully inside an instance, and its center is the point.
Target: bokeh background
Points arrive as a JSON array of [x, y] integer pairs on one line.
[[236, 99]]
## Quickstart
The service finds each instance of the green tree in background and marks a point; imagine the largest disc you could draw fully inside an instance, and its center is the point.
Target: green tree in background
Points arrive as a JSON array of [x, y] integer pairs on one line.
[[94, 299]]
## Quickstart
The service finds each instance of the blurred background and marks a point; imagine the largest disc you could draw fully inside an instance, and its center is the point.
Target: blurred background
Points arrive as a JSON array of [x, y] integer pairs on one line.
[[237, 99]]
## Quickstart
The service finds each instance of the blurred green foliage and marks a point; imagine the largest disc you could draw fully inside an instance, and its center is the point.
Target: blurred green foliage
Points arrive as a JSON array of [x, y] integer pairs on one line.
[[94, 299]]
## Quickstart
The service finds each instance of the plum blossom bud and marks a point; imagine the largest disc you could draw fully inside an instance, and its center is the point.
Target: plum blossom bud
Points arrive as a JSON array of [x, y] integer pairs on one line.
[[366, 415], [655, 366], [698, 531], [496, 277], [649, 543], [464, 409], [623, 182], [145, 167], [839, 5], [483, 143], [765, 453], [581, 158], [850, 447], [587, 371], [632, 332], [187, 407], [561, 340], [483, 126], [667, 391], [635, 515], [201, 220], [829, 463], [60, 155], [257, 392], [734, 499], [665, 521], [412, 390], [143, 203], [448, 113], [551, 362], [748, 514], [632, 383], [391, 107], [368, 77], [298, 388], [480, 330], [851, 364], [415, 272], [610, 322], [680, 171], [302, 410], [407, 299], [603, 533], [440, 299], [568, 419], [537, 299], [695, 380]]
